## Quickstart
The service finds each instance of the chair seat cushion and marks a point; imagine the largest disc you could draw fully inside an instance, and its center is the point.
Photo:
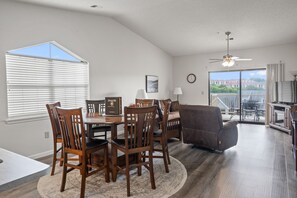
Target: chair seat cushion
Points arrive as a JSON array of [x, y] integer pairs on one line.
[[92, 143], [121, 143], [101, 128], [158, 133]]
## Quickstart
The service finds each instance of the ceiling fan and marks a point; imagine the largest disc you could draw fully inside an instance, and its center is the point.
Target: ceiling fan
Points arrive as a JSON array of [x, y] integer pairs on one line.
[[228, 59]]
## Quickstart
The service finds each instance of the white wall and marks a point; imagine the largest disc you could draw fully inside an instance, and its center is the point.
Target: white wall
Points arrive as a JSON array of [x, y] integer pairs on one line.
[[197, 93], [119, 60]]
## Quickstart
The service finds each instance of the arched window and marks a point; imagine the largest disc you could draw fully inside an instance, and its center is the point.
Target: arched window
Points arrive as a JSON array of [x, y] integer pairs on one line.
[[42, 74]]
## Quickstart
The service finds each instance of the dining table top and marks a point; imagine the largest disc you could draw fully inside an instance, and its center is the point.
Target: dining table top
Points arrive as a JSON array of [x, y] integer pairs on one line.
[[95, 118]]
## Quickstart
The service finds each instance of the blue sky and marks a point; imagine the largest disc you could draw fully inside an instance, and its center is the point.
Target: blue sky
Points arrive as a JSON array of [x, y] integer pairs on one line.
[[45, 50], [235, 75]]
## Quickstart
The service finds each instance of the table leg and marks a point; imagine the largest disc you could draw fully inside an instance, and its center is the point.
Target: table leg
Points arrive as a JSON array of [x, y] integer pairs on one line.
[[89, 128], [114, 133]]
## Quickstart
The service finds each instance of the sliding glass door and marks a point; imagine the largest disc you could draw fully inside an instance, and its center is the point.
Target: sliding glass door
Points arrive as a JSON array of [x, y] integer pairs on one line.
[[253, 95], [224, 91], [239, 94]]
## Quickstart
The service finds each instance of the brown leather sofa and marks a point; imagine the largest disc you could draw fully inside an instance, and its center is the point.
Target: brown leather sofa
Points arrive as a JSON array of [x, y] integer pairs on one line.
[[203, 126]]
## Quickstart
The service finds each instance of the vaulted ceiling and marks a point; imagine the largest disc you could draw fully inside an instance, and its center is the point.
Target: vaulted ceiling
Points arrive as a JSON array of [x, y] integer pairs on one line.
[[185, 27]]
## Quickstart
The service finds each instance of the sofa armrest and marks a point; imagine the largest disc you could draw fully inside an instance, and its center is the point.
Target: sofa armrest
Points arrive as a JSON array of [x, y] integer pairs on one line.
[[229, 125], [228, 136]]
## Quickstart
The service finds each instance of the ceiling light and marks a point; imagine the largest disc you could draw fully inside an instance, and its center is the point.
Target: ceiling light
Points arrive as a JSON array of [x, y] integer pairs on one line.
[[228, 61]]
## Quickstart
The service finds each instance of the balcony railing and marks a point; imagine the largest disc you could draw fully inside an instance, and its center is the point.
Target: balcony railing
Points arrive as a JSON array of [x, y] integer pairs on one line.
[[252, 106], [232, 101]]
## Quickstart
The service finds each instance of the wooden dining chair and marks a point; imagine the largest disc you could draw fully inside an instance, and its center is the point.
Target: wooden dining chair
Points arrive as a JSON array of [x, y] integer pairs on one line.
[[139, 128], [144, 102], [293, 109], [97, 106], [160, 136], [57, 136], [76, 143]]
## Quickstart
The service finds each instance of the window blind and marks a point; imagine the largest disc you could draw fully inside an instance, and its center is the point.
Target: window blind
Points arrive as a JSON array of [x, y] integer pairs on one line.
[[33, 82]]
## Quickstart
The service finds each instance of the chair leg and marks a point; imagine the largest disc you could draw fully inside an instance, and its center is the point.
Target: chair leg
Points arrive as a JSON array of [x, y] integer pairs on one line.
[[164, 156], [106, 164], [64, 173], [54, 159], [167, 152], [89, 160], [151, 169], [127, 174], [80, 159], [139, 168], [83, 178], [61, 159], [114, 163]]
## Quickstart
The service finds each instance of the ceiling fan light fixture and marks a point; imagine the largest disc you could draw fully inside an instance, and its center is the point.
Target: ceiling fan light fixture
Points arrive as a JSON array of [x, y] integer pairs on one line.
[[228, 63], [228, 59]]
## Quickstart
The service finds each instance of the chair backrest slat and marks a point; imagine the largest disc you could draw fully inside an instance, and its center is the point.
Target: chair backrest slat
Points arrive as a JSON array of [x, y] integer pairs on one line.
[[139, 126], [51, 108], [72, 128], [95, 106]]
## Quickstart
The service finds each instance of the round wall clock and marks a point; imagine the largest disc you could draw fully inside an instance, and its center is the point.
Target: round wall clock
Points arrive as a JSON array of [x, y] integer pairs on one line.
[[191, 78]]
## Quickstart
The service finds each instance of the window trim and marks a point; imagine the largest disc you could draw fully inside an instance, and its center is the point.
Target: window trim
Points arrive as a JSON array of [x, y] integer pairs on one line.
[[24, 119]]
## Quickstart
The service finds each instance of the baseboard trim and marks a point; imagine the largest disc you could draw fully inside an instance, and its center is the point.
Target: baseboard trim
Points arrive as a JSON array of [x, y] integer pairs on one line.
[[50, 152], [40, 155]]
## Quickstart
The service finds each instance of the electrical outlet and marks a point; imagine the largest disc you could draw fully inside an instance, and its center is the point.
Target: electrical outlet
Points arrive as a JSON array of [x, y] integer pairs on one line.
[[46, 134]]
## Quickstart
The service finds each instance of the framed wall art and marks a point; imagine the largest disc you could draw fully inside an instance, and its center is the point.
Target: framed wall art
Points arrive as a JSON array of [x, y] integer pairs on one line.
[[151, 83]]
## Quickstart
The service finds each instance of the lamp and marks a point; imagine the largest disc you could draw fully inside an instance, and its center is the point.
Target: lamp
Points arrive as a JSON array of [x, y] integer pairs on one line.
[[228, 61], [141, 94], [177, 91]]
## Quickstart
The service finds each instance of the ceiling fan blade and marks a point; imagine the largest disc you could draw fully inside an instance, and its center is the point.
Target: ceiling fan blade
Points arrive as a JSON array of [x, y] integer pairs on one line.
[[243, 59], [234, 57], [215, 61]]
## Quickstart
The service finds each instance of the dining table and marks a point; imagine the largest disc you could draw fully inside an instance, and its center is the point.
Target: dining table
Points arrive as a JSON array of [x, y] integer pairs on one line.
[[114, 120], [95, 118]]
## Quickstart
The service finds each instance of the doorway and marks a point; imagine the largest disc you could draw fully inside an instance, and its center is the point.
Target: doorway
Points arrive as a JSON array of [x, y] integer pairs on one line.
[[239, 94]]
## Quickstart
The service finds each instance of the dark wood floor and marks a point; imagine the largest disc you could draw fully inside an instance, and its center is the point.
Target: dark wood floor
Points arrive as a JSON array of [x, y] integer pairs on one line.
[[261, 165]]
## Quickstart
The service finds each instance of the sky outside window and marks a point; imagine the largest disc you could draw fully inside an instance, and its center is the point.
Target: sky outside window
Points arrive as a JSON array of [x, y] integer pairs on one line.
[[45, 50], [235, 75]]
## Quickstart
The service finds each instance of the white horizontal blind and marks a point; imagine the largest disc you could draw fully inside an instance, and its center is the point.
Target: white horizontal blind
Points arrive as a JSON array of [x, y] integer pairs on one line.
[[33, 82]]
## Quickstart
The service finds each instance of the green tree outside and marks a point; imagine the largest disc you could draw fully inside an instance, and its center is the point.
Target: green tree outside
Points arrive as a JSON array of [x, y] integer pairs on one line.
[[223, 89], [214, 88]]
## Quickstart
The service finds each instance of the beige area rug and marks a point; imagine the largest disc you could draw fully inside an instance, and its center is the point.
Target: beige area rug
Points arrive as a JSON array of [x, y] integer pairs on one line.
[[167, 184]]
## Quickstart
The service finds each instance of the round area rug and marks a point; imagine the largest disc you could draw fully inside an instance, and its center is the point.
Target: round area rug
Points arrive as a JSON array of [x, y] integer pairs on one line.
[[167, 184]]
